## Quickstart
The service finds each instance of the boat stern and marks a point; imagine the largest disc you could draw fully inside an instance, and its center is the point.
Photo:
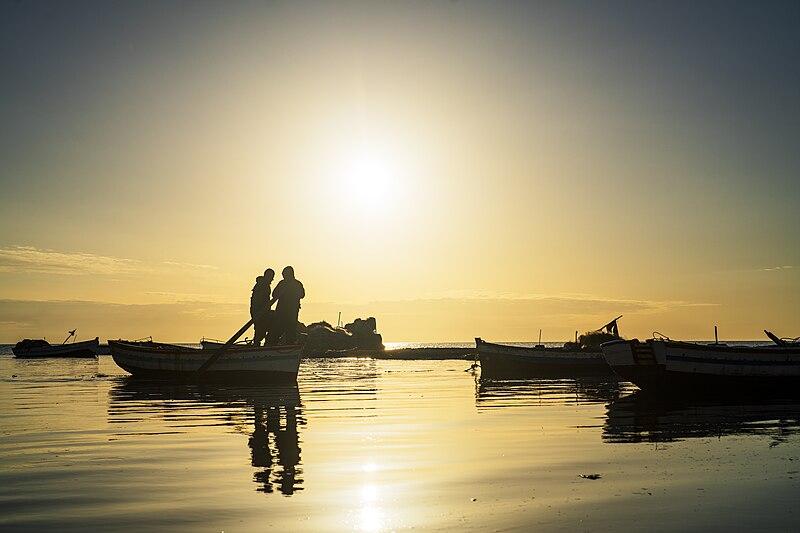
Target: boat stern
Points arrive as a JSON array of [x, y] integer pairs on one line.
[[635, 361]]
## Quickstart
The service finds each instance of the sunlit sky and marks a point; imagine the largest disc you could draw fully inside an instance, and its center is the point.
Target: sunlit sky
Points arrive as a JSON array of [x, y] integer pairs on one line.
[[454, 169]]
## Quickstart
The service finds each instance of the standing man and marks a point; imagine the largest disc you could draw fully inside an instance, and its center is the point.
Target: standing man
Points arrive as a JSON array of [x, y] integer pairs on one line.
[[288, 293], [260, 304]]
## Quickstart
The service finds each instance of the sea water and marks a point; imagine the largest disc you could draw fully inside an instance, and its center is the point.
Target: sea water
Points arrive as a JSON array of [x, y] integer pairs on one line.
[[382, 445]]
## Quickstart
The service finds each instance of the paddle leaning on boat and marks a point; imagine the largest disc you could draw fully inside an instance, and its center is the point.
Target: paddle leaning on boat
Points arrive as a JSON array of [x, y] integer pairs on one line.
[[676, 367], [580, 358]]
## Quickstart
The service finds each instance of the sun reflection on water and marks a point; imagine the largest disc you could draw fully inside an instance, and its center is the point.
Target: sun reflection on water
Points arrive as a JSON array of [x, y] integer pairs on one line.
[[370, 516], [370, 519]]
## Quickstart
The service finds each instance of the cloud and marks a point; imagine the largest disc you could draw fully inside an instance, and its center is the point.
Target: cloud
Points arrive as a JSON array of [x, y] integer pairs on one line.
[[508, 316], [183, 297], [561, 300], [191, 265], [176, 321], [774, 269], [29, 259]]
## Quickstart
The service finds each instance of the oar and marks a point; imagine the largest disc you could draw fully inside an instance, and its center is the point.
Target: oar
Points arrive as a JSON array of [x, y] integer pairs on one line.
[[224, 348]]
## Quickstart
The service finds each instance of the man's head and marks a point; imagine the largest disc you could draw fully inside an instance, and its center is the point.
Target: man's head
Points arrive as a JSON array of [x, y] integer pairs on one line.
[[288, 273], [269, 274]]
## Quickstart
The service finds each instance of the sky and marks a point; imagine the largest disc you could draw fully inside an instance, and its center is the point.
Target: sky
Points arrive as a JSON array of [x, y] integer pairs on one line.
[[453, 168]]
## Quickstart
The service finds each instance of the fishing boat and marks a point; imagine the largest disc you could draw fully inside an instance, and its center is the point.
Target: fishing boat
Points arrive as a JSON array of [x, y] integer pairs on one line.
[[502, 360], [30, 348], [181, 363], [580, 358], [677, 367]]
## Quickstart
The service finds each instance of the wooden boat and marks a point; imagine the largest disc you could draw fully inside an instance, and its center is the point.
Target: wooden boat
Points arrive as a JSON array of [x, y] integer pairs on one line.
[[667, 366], [179, 363], [501, 360], [580, 358], [30, 348]]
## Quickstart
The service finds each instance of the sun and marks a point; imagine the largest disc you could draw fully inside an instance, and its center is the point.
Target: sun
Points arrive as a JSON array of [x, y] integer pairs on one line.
[[369, 178]]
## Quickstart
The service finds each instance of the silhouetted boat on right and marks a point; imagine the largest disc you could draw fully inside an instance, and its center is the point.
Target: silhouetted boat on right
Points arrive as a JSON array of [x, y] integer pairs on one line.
[[672, 367]]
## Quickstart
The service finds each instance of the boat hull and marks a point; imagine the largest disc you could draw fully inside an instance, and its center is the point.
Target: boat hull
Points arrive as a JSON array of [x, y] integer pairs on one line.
[[499, 360], [76, 349], [671, 367], [179, 363]]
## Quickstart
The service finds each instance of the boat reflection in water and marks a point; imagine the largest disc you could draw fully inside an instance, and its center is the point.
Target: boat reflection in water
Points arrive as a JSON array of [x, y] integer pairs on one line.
[[640, 417], [492, 393], [270, 415]]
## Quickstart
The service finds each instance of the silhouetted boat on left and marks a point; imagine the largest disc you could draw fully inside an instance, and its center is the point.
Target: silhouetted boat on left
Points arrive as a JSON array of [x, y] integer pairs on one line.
[[180, 363], [30, 348]]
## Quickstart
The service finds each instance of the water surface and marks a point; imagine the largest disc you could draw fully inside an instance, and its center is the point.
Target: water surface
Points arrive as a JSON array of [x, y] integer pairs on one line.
[[382, 445]]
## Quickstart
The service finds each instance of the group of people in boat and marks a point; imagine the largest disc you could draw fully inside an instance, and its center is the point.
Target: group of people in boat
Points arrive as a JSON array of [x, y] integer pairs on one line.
[[270, 326]]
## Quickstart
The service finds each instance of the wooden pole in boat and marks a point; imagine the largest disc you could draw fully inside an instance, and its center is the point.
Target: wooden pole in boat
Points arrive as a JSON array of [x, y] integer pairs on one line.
[[716, 338], [71, 333], [224, 348]]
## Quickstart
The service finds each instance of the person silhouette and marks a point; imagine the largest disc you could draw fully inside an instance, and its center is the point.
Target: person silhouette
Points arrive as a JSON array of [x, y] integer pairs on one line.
[[288, 293], [259, 306]]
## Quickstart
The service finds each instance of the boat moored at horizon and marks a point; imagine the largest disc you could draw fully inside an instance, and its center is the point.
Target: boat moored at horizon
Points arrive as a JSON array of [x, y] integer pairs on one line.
[[35, 348]]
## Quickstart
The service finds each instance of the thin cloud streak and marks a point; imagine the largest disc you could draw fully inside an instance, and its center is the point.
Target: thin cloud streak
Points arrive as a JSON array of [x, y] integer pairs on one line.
[[191, 265], [29, 259], [566, 298], [177, 321], [188, 298]]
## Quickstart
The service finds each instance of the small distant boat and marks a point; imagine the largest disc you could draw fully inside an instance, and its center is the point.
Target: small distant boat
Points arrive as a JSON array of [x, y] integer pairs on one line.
[[155, 360], [30, 348], [674, 367], [502, 360]]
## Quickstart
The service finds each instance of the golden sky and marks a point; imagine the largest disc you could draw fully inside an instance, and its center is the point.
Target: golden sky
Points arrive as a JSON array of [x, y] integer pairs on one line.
[[455, 169]]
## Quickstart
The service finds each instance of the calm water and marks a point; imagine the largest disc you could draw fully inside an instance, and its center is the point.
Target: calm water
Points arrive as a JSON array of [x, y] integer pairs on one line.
[[381, 445]]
